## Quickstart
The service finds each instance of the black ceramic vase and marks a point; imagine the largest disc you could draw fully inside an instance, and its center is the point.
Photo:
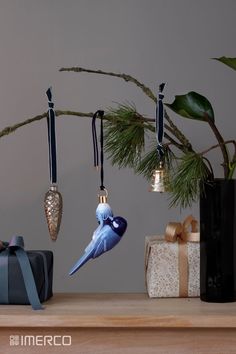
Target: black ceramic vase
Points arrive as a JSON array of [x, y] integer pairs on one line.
[[218, 242]]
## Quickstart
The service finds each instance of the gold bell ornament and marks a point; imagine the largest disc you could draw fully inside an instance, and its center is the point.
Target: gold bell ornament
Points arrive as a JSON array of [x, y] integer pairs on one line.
[[159, 180], [53, 203]]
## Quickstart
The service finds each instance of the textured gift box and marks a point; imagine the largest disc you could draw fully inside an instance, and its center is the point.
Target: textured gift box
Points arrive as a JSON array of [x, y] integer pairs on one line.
[[172, 263]]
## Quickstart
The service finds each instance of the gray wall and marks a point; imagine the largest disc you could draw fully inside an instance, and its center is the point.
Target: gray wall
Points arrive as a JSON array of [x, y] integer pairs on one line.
[[151, 40]]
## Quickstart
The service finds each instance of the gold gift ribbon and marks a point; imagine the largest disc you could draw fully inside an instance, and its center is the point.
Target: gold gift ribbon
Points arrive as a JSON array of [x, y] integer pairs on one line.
[[177, 232]]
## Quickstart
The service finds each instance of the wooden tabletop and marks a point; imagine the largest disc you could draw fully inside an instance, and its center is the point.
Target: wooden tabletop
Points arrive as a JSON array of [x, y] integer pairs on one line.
[[121, 311]]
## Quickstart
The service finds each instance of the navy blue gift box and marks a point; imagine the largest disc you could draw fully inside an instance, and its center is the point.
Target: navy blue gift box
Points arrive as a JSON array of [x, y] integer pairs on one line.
[[26, 277]]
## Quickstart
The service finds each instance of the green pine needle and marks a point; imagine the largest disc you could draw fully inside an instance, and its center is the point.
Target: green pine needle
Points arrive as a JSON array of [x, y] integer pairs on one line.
[[150, 161], [124, 135], [187, 183]]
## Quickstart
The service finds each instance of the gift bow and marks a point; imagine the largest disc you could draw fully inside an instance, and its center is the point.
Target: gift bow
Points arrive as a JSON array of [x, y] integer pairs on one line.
[[16, 245], [177, 232]]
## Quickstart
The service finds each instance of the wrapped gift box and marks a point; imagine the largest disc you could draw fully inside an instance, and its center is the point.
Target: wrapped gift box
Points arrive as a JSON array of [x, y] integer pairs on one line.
[[41, 264], [172, 261]]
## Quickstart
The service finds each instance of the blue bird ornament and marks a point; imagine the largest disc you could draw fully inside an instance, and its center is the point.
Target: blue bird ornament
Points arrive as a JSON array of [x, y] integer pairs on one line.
[[105, 237], [103, 212]]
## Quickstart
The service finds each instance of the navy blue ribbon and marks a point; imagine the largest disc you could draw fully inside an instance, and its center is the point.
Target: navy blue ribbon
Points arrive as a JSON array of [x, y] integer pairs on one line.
[[160, 121], [51, 138], [16, 245], [95, 146]]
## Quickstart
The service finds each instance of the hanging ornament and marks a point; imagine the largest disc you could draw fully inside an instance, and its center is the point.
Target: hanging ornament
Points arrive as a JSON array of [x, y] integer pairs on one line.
[[53, 199], [159, 179], [111, 228]]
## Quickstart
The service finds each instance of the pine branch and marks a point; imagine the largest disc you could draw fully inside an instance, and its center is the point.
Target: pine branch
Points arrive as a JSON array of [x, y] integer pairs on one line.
[[150, 161], [124, 135], [187, 182], [147, 91], [172, 130], [127, 78], [10, 129], [74, 113]]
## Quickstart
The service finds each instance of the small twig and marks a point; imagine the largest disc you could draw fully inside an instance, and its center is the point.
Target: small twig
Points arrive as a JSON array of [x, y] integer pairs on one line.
[[74, 113], [11, 129], [179, 135], [221, 145], [173, 142], [172, 131], [234, 156], [127, 78], [233, 161], [211, 172], [218, 145]]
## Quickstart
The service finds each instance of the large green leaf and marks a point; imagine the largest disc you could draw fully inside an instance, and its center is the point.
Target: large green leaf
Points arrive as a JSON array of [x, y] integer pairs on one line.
[[231, 62], [193, 106]]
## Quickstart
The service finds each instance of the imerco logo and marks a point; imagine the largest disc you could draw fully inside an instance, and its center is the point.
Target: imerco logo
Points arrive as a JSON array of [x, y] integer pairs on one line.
[[39, 341]]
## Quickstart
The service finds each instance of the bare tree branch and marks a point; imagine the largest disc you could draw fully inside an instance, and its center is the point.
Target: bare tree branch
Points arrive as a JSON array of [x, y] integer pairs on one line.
[[10, 129], [127, 78]]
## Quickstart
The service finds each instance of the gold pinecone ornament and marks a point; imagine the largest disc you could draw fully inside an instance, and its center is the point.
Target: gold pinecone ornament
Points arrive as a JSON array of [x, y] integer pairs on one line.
[[53, 206]]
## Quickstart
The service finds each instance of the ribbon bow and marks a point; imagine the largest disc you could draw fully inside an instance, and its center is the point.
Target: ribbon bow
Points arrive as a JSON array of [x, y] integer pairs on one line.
[[177, 232], [16, 245]]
